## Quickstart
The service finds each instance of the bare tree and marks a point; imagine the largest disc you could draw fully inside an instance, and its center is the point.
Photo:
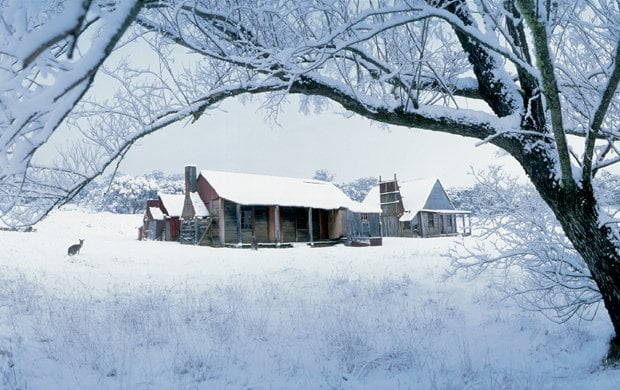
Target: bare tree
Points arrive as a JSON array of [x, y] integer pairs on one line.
[[544, 69]]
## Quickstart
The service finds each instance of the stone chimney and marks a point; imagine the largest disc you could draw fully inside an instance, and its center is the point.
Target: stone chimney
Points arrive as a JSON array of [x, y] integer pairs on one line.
[[190, 186], [190, 179]]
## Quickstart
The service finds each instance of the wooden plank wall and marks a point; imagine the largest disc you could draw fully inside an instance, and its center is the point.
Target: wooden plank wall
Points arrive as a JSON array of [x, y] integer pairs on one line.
[[230, 222], [326, 224], [391, 226], [271, 226], [261, 225], [356, 228], [288, 224], [301, 225], [337, 223], [316, 224]]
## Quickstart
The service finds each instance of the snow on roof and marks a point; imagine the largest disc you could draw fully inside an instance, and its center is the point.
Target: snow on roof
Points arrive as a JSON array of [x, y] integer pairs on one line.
[[416, 193], [199, 207], [156, 213], [251, 189], [420, 194], [173, 204], [372, 197]]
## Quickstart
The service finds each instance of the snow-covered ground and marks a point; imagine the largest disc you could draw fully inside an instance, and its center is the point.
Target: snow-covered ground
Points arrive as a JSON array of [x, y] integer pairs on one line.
[[127, 314]]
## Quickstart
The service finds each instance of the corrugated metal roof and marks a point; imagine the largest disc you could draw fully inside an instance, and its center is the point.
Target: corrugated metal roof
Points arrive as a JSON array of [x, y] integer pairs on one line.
[[251, 189]]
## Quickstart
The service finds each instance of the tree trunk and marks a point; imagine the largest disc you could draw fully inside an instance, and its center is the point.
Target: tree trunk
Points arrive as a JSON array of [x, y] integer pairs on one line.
[[576, 211]]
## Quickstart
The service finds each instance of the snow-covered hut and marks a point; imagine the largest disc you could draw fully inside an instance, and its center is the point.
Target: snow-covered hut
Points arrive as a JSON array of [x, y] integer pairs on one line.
[[248, 209], [153, 221], [417, 208], [162, 217]]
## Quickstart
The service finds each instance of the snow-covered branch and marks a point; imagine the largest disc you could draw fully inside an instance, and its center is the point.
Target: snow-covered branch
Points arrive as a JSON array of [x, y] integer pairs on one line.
[[48, 62], [541, 269], [599, 115]]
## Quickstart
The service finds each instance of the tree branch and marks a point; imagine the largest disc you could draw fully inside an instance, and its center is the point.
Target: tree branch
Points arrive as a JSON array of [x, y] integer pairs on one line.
[[550, 87], [599, 116], [425, 118]]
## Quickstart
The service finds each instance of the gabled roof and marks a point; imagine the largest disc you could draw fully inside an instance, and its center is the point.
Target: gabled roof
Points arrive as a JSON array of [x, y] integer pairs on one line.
[[421, 194], [251, 189], [425, 194], [199, 207], [156, 213], [174, 204]]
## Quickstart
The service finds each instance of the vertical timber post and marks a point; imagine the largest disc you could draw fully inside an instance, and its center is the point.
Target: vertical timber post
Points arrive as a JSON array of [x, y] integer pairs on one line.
[[254, 242], [196, 231], [239, 224], [277, 225], [221, 222], [310, 226]]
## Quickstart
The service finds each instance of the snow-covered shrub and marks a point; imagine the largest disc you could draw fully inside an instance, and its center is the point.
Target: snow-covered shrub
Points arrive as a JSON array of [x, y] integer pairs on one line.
[[356, 189], [519, 235], [125, 194]]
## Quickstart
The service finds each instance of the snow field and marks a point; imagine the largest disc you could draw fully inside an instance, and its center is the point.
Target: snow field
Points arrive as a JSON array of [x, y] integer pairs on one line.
[[155, 315]]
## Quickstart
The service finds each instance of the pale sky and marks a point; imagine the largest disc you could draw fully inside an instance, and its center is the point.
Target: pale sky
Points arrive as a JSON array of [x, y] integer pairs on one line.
[[238, 138]]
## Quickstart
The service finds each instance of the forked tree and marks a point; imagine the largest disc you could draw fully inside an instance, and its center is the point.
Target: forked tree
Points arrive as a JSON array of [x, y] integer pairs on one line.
[[541, 70]]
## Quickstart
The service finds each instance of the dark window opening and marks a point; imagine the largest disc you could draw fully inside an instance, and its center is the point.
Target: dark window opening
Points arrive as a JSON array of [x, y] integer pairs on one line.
[[246, 219], [302, 220]]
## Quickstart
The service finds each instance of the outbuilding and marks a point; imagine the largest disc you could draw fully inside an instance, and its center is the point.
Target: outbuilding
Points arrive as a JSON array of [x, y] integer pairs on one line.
[[419, 208], [162, 217]]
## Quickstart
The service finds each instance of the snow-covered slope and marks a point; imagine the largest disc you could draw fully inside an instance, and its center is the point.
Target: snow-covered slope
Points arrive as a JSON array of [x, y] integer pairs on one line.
[[152, 315]]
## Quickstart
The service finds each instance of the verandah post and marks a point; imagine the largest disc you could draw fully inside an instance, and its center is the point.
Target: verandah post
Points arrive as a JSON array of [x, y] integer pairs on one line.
[[310, 226], [239, 224], [277, 224]]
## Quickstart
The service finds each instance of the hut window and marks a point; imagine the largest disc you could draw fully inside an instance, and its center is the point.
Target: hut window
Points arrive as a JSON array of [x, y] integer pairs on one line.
[[431, 220], [365, 225], [449, 221], [246, 219]]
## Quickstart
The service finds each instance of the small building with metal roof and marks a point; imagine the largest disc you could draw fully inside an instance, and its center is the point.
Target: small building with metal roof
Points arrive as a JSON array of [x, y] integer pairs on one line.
[[417, 208]]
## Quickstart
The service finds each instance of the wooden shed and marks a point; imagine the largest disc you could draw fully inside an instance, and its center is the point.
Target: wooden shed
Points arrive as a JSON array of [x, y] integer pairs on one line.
[[426, 209], [153, 221], [162, 217], [260, 210]]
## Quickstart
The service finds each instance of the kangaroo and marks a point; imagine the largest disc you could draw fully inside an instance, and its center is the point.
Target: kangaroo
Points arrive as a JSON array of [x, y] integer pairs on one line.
[[75, 249]]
